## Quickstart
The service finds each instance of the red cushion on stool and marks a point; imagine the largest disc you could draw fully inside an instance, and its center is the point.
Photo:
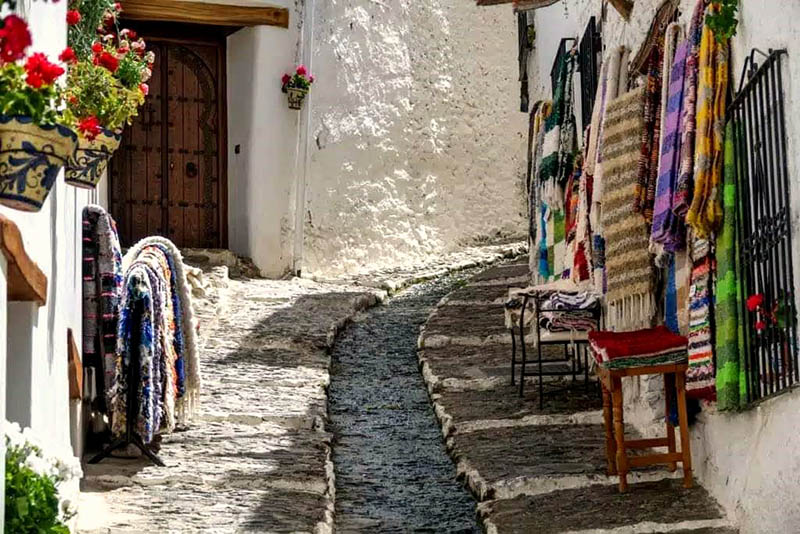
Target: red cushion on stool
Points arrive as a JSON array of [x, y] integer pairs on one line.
[[648, 343]]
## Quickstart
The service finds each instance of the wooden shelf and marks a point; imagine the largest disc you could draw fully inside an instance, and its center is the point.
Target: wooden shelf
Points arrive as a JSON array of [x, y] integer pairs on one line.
[[218, 14], [26, 282]]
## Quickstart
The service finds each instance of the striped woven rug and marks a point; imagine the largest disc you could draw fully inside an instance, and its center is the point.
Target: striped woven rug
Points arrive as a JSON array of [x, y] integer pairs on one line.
[[629, 266]]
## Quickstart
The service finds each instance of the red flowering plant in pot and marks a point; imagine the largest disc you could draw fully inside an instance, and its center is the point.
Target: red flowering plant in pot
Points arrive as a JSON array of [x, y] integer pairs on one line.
[[296, 86], [106, 85], [770, 324], [35, 142]]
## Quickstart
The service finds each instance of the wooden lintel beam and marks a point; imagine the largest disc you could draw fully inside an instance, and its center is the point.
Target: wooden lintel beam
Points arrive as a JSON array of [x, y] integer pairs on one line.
[[492, 2], [205, 13], [26, 282]]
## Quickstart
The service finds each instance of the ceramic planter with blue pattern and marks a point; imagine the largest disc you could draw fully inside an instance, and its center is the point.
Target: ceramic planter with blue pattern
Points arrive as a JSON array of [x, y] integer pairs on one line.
[[31, 157], [91, 159]]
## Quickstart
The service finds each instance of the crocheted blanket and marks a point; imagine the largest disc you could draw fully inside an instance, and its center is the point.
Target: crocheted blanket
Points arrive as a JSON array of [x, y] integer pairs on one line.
[[629, 269], [729, 339]]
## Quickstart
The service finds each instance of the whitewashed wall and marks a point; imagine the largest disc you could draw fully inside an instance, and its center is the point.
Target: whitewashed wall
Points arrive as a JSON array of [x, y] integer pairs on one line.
[[261, 177], [749, 461], [37, 389], [417, 142]]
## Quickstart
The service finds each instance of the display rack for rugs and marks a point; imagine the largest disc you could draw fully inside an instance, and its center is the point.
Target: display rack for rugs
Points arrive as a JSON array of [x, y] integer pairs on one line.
[[131, 437]]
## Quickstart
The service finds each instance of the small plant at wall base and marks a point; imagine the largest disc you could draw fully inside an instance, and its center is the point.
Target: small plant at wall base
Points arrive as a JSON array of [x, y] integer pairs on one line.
[[296, 86], [35, 142], [40, 487], [722, 19]]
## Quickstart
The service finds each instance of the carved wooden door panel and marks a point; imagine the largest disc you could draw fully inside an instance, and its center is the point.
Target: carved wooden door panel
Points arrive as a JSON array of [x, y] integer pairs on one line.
[[168, 176]]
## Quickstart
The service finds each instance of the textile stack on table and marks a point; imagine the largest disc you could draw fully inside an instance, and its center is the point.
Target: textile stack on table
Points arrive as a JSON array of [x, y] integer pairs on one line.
[[654, 346], [580, 318], [139, 332]]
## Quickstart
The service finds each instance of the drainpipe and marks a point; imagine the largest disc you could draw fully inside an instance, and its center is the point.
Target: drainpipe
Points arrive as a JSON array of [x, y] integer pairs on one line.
[[303, 149]]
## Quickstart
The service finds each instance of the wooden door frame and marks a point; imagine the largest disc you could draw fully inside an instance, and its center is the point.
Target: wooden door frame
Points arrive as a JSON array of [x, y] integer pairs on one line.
[[197, 34]]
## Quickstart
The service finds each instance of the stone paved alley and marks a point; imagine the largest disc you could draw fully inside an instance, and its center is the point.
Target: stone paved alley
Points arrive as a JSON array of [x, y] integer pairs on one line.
[[258, 459], [282, 446]]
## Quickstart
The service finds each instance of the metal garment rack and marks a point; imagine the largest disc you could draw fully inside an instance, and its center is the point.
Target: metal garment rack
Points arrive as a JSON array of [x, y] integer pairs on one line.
[[581, 348], [131, 437], [764, 224]]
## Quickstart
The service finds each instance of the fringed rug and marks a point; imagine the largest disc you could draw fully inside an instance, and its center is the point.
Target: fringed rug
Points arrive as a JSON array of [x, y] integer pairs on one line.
[[629, 270]]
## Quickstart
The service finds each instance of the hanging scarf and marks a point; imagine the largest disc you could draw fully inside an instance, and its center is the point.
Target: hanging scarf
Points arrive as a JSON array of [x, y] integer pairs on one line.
[[683, 188], [668, 230], [700, 375], [705, 211], [628, 266], [729, 340]]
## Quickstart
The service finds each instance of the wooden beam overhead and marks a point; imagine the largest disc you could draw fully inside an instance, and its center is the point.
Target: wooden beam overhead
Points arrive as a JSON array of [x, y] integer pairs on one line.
[[26, 282], [205, 13], [492, 2]]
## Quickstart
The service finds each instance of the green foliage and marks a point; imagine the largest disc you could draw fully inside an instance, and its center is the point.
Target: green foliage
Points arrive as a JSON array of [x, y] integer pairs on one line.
[[31, 500], [81, 36], [130, 71], [722, 20], [19, 98], [299, 81], [94, 91]]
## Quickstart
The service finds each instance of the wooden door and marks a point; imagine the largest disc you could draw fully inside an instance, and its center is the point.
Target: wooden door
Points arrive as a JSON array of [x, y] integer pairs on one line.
[[168, 177]]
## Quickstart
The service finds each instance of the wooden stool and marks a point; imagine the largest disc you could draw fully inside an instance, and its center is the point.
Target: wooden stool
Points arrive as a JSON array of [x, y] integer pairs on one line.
[[616, 446]]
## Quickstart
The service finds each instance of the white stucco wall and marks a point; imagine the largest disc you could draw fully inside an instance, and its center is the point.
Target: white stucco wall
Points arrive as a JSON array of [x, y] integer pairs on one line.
[[417, 142], [749, 461], [38, 389], [261, 177]]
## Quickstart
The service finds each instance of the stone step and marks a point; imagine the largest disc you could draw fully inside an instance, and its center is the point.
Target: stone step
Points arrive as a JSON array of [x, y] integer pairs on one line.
[[656, 506]]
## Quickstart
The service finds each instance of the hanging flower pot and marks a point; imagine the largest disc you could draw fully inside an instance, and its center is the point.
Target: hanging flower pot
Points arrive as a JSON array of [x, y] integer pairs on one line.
[[296, 86], [91, 159], [296, 97], [30, 158]]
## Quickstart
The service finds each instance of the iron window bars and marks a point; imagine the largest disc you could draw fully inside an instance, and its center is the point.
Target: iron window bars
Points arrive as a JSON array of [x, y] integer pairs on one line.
[[764, 226], [590, 48]]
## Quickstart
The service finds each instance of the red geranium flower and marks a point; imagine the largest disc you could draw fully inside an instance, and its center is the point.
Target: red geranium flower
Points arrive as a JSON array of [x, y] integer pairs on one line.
[[285, 79], [755, 301], [108, 61], [68, 55], [301, 70], [117, 7], [126, 33], [97, 47], [311, 79], [760, 325], [14, 38], [144, 88], [90, 127], [73, 17], [41, 71], [108, 19]]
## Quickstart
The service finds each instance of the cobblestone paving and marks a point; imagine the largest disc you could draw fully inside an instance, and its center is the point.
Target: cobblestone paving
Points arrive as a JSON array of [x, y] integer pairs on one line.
[[531, 469], [258, 458], [392, 471]]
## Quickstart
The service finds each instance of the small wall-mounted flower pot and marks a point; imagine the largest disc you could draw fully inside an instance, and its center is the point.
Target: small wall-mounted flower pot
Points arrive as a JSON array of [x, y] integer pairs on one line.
[[31, 157], [91, 159], [296, 97]]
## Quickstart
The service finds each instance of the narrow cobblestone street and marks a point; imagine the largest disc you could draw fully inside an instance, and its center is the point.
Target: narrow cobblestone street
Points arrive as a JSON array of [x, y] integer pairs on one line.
[[392, 471]]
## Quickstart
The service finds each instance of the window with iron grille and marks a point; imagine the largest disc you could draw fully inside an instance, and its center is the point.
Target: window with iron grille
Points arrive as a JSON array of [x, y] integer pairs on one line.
[[588, 56], [764, 227]]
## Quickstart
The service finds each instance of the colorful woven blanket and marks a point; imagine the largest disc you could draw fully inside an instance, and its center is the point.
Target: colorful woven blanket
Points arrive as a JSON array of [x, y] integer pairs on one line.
[[668, 230], [629, 267], [102, 291], [684, 187]]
